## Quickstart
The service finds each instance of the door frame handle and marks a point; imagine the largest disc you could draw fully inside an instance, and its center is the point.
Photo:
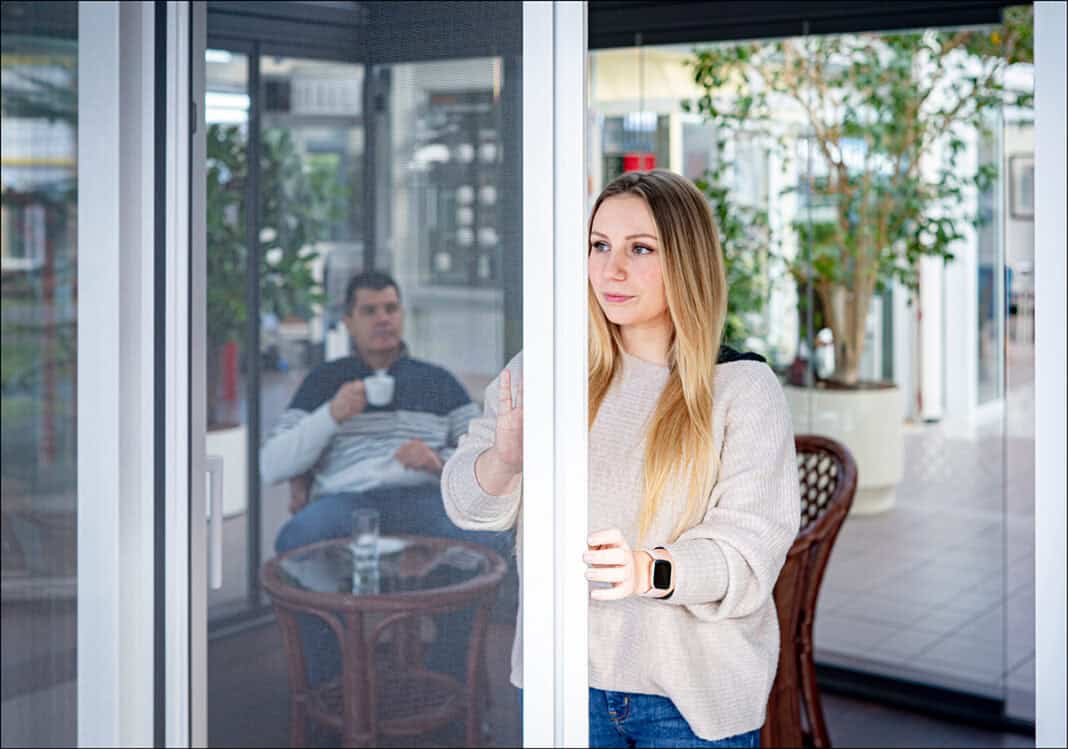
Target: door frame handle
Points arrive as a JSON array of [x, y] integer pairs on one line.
[[215, 521]]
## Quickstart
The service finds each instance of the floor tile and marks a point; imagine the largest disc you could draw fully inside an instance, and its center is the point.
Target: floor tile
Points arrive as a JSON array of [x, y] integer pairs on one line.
[[974, 658], [971, 601], [944, 620], [988, 628], [906, 644], [852, 636], [1023, 673], [882, 609]]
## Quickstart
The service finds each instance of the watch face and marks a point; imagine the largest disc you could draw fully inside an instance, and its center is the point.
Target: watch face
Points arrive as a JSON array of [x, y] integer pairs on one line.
[[661, 574]]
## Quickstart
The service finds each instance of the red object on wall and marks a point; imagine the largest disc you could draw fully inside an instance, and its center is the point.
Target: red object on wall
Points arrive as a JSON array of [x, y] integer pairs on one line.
[[638, 160], [229, 371]]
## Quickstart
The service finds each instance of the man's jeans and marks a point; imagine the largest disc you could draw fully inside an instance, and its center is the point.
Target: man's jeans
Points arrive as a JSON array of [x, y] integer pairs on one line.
[[624, 719], [416, 510]]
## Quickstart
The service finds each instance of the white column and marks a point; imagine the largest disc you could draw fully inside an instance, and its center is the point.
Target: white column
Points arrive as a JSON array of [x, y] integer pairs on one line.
[[931, 300], [116, 69], [904, 320], [1050, 365], [958, 378]]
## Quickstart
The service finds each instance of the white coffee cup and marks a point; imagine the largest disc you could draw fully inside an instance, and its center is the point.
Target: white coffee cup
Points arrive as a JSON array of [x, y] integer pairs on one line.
[[379, 387]]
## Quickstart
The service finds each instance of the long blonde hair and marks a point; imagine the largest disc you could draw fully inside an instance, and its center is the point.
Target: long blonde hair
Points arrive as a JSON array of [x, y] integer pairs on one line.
[[679, 433]]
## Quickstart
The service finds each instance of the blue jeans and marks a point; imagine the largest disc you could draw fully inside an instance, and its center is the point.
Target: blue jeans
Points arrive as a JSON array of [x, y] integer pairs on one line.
[[417, 510], [623, 719]]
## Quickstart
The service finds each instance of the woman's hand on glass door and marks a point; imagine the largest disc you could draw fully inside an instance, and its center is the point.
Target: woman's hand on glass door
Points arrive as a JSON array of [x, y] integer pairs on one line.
[[499, 469], [508, 440]]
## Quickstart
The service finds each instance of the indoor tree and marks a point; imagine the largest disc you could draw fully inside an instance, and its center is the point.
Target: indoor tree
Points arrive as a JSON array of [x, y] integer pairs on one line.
[[888, 118]]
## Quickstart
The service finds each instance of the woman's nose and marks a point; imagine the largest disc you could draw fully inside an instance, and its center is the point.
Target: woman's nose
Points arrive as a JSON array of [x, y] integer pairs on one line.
[[615, 266]]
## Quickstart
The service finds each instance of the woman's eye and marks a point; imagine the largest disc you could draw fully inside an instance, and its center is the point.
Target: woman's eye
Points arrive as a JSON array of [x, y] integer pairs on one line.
[[599, 246], [641, 249]]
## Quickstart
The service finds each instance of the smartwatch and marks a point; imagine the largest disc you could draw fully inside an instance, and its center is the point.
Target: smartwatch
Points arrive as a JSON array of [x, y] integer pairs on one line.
[[660, 576]]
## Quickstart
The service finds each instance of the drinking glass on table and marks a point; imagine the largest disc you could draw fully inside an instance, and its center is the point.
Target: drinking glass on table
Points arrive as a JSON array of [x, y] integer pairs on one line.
[[365, 575]]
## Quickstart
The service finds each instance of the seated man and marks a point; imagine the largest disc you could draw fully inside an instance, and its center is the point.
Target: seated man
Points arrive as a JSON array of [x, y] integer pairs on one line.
[[385, 457]]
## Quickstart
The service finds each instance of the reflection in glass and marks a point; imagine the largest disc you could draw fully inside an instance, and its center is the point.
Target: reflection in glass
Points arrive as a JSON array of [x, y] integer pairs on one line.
[[226, 114], [38, 274], [312, 212], [364, 389]]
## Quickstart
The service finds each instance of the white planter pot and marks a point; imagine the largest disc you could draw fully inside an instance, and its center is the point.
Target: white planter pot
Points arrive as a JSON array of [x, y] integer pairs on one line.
[[870, 424], [231, 444]]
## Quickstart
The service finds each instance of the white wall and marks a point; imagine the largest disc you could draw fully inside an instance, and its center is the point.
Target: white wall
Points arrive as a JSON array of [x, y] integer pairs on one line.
[[1050, 364]]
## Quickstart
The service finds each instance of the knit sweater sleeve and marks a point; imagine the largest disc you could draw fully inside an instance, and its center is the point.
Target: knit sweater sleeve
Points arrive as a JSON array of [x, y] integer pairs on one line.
[[727, 565], [466, 503]]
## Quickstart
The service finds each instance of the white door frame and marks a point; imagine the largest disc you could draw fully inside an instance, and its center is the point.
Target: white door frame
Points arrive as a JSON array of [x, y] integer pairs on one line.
[[555, 693], [116, 374], [180, 492], [554, 59], [1050, 357]]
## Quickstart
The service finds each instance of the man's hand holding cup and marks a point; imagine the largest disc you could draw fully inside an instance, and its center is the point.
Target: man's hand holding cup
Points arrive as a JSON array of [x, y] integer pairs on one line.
[[350, 400]]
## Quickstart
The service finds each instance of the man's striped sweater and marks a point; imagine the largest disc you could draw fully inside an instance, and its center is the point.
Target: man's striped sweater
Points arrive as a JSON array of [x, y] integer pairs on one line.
[[429, 404]]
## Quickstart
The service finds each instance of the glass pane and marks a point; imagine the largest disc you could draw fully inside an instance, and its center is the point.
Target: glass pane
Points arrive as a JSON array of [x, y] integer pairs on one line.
[[311, 231], [1016, 157], [905, 193], [650, 125], [226, 112], [425, 188], [38, 274], [886, 323]]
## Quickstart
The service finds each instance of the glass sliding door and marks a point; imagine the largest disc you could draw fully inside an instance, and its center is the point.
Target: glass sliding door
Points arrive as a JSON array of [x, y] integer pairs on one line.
[[364, 213], [226, 114], [301, 170], [39, 279], [889, 327]]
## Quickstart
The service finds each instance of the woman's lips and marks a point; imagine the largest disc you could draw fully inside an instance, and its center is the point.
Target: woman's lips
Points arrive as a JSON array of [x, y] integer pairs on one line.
[[617, 298]]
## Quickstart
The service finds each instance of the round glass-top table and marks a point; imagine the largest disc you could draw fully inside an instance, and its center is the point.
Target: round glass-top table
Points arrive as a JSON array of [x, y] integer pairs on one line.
[[418, 575]]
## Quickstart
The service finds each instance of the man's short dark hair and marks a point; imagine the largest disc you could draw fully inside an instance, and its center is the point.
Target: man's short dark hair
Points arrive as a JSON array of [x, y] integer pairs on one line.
[[372, 279]]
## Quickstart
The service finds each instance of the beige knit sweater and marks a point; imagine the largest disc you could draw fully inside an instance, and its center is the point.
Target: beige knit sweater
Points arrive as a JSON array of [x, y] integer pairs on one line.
[[713, 647]]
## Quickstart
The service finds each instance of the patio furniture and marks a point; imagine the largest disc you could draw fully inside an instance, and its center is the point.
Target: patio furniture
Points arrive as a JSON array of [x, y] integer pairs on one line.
[[828, 476], [383, 689]]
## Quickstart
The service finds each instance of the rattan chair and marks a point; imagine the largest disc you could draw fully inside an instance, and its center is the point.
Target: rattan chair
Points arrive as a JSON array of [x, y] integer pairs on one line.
[[828, 475]]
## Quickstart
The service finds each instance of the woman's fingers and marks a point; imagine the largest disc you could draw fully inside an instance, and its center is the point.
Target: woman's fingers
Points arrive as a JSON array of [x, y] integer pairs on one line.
[[504, 394], [610, 561], [613, 556], [607, 537], [505, 391], [614, 593], [606, 574]]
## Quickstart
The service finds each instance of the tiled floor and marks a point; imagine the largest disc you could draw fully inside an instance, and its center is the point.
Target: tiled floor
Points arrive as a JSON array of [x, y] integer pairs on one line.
[[940, 589]]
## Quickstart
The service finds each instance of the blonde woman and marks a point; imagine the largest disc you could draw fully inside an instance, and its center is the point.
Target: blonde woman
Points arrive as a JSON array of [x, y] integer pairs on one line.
[[693, 488]]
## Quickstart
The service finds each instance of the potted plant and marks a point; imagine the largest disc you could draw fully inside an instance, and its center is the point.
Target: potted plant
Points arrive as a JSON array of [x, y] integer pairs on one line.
[[888, 119]]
